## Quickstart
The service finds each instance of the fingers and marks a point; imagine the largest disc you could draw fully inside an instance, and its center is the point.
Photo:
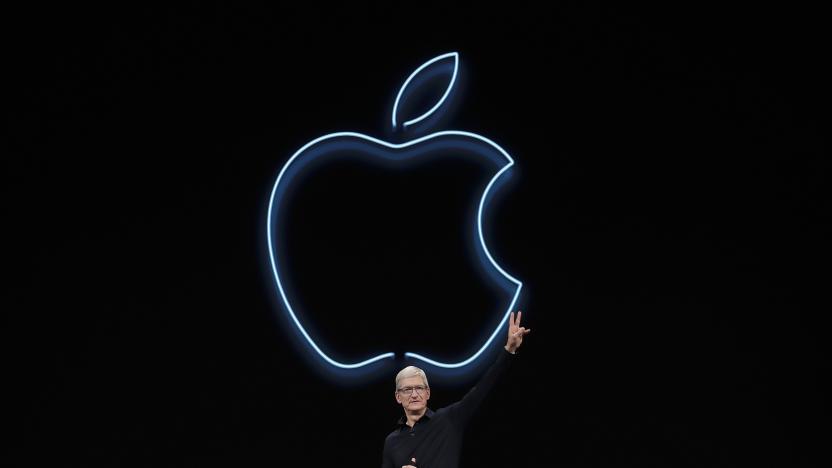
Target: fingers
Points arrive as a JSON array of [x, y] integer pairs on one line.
[[514, 329], [522, 332]]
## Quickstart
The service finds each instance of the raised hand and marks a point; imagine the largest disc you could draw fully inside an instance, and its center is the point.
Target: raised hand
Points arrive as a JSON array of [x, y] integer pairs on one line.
[[515, 333]]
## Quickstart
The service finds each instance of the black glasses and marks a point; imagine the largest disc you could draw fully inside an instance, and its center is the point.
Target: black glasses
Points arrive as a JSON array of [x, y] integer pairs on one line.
[[419, 389]]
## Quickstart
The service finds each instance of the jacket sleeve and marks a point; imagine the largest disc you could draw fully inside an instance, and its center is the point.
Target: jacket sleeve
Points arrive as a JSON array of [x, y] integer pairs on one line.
[[386, 457], [462, 410]]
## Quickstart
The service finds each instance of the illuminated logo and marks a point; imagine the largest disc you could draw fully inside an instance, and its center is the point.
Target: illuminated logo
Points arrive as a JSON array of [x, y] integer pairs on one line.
[[334, 145]]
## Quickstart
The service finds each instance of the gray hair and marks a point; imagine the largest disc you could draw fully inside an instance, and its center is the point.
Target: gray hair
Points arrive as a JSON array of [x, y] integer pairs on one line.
[[411, 371]]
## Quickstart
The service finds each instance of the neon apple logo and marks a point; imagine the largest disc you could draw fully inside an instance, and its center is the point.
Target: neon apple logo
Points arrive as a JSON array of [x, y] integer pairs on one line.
[[335, 144]]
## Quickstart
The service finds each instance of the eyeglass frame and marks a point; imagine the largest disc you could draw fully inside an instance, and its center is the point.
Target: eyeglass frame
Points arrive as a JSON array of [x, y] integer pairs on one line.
[[407, 391]]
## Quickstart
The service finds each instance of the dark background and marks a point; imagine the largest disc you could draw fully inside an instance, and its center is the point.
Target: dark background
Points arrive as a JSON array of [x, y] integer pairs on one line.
[[669, 215]]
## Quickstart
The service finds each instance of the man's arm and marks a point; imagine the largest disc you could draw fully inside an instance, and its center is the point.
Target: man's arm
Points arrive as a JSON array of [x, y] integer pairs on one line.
[[386, 458], [462, 410]]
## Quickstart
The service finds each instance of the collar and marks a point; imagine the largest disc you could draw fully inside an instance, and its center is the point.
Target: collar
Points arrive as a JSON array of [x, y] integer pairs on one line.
[[403, 420]]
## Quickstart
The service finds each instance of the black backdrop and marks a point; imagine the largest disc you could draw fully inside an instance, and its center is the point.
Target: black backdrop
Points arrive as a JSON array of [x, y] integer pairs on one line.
[[668, 214]]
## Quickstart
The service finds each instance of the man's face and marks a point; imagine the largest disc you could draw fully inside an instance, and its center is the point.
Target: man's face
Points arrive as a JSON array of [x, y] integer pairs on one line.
[[412, 394]]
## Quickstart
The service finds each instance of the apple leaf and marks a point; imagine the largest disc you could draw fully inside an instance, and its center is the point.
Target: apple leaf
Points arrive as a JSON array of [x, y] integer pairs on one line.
[[419, 78]]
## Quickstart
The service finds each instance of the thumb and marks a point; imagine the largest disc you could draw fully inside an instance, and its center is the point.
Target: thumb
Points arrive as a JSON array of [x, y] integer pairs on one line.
[[413, 459]]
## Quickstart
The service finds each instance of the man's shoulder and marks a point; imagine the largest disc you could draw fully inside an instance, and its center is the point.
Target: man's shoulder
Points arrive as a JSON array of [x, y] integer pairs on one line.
[[392, 434], [444, 410]]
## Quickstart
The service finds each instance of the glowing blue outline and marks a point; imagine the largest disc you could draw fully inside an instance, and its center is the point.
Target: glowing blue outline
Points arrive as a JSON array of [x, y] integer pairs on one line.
[[479, 232], [455, 55]]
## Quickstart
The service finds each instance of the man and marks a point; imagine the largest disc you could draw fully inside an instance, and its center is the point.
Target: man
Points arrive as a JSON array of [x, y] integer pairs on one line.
[[433, 439]]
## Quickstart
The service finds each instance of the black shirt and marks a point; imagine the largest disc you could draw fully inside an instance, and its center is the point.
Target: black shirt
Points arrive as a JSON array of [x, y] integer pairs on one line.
[[436, 438]]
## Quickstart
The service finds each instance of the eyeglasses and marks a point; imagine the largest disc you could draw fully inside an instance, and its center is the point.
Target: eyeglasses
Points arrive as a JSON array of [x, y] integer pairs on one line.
[[419, 389]]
